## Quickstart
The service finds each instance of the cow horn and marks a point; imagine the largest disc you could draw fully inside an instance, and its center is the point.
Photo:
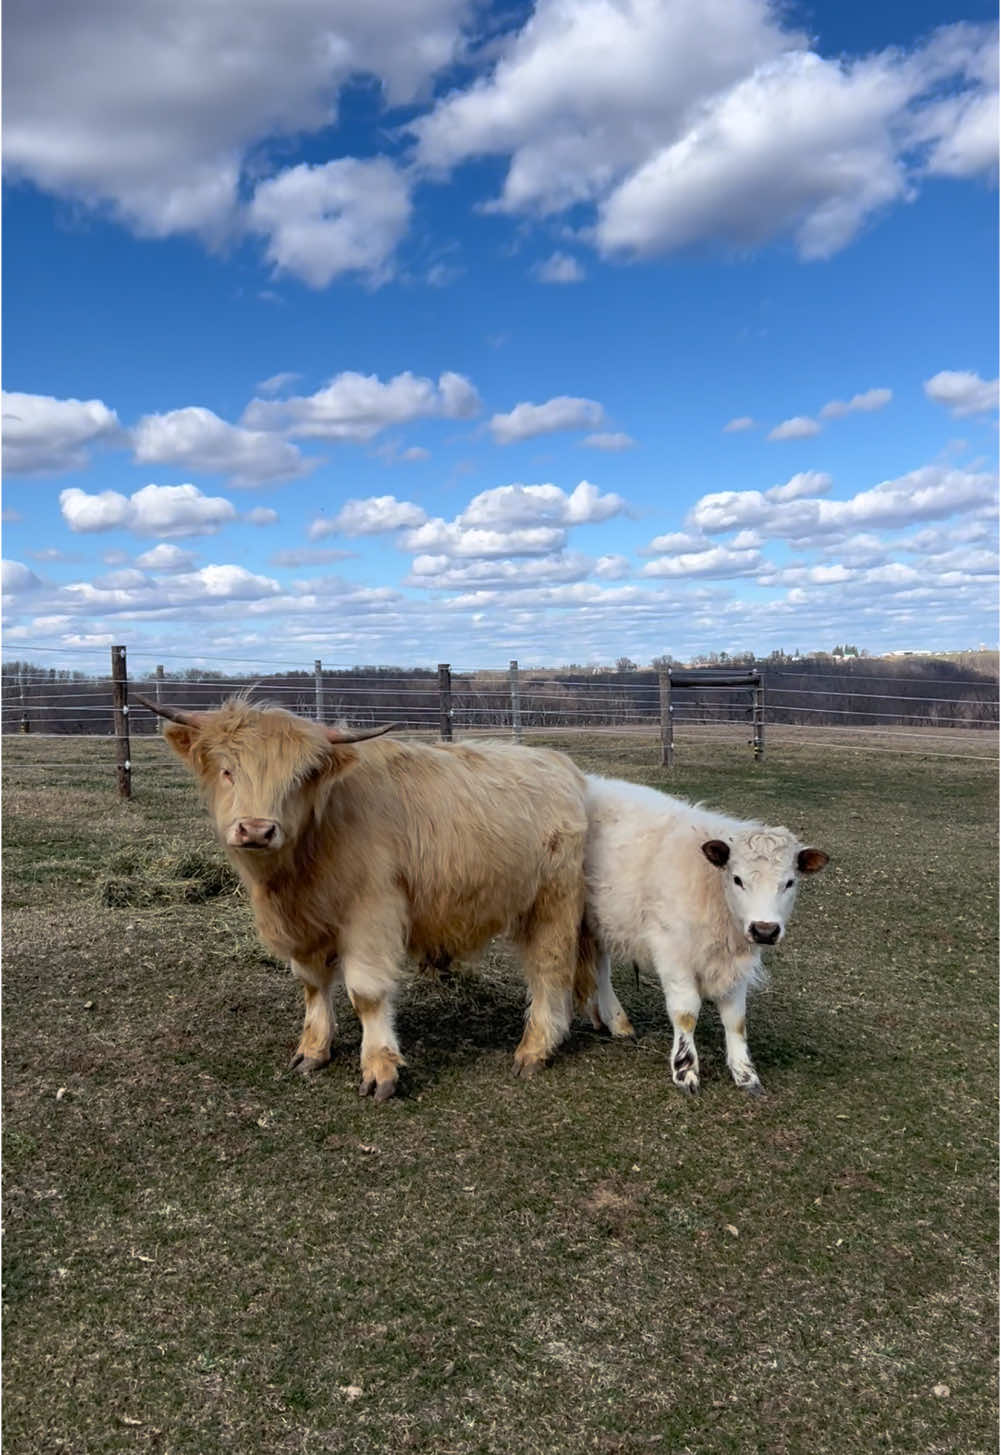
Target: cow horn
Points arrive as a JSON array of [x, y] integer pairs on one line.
[[336, 736], [189, 719]]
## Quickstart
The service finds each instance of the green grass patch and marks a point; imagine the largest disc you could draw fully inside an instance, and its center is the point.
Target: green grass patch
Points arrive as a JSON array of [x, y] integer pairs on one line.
[[204, 1254]]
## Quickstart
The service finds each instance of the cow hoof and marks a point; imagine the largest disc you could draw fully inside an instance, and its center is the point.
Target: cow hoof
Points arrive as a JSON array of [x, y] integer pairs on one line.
[[752, 1088], [306, 1065], [378, 1090], [690, 1086], [526, 1069], [622, 1029]]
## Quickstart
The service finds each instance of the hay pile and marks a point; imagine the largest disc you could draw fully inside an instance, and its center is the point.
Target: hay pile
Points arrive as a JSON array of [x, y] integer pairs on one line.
[[148, 874]]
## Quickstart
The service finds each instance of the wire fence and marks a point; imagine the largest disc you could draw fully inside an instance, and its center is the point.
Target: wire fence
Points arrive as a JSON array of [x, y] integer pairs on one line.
[[866, 708]]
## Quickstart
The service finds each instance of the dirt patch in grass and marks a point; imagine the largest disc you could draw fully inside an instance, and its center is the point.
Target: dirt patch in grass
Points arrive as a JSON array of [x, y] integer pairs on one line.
[[205, 1254]]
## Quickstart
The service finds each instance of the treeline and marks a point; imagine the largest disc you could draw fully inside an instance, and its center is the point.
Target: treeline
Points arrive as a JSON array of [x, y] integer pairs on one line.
[[853, 690]]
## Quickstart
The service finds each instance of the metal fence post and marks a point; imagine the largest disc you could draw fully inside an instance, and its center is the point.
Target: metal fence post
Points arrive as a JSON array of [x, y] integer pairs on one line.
[[758, 719], [666, 720], [515, 699], [120, 699], [318, 689], [445, 701]]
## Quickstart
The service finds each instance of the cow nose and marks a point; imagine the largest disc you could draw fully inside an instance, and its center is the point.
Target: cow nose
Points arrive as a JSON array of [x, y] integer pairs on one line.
[[255, 833], [765, 932]]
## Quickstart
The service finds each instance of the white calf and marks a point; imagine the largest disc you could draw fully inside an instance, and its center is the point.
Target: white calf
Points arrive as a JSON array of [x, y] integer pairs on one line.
[[693, 895]]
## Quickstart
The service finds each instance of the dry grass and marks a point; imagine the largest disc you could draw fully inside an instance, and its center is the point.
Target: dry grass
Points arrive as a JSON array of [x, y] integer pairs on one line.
[[204, 1254]]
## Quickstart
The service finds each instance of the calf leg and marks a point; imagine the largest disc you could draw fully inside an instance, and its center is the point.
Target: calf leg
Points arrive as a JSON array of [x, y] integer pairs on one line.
[[683, 1006], [319, 1026], [372, 995], [604, 1008], [738, 1057]]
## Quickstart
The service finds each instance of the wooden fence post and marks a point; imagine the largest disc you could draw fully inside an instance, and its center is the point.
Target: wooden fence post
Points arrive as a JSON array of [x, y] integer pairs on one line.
[[758, 719], [445, 701], [666, 720], [120, 699], [515, 699], [318, 689]]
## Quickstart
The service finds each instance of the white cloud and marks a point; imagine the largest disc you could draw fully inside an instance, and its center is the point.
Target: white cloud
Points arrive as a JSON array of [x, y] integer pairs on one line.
[[345, 216], [865, 403], [682, 124], [560, 268], [515, 505], [449, 538], [442, 573], [736, 426], [262, 515], [166, 558], [525, 421], [611, 442], [715, 561], [229, 582], [315, 556], [18, 577], [356, 407], [807, 482], [676, 541], [160, 510], [800, 427], [414, 454], [278, 383], [962, 392], [156, 114], [196, 439], [372, 516], [42, 435]]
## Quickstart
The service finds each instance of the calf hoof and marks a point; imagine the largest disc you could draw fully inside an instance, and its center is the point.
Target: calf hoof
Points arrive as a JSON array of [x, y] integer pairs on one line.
[[306, 1065], [688, 1083], [526, 1066], [622, 1028], [751, 1088]]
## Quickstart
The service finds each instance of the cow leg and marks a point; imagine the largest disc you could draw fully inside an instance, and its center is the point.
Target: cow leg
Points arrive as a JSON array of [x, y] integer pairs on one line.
[[731, 1012], [319, 1025], [548, 952], [604, 1008], [372, 997], [683, 1006]]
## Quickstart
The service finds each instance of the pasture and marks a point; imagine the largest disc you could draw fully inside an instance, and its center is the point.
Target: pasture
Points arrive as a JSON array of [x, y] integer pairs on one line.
[[206, 1254]]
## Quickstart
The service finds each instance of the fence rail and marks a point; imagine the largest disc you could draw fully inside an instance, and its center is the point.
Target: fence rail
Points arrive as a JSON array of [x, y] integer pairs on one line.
[[860, 710]]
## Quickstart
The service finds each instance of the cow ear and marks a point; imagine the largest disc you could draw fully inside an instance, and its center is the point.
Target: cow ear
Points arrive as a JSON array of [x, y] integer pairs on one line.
[[182, 737], [716, 852], [810, 861]]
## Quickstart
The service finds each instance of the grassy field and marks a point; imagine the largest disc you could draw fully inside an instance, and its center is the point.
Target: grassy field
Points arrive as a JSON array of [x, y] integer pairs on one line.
[[206, 1254]]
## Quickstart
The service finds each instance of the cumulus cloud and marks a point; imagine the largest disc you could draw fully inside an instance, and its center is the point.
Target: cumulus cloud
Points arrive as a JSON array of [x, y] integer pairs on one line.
[[450, 538], [165, 557], [805, 483], [18, 577], [560, 268], [155, 116], [736, 426], [355, 407], [43, 436], [800, 427], [345, 216], [156, 510], [516, 505], [372, 516], [442, 573], [962, 392], [714, 561], [611, 441], [196, 439], [865, 403], [309, 556], [278, 383], [262, 515], [681, 124], [525, 421]]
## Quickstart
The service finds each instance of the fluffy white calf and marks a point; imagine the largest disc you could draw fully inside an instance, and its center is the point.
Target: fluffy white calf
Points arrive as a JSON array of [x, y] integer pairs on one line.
[[694, 895]]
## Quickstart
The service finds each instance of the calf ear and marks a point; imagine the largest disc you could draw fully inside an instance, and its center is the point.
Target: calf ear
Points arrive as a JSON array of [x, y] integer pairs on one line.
[[810, 861], [716, 852]]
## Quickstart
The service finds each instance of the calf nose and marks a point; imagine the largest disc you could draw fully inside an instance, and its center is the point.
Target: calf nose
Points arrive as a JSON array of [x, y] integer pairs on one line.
[[255, 833], [764, 932]]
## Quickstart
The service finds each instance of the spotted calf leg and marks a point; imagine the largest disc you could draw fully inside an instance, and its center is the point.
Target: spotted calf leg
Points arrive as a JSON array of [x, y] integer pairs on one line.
[[738, 1057], [319, 1025], [683, 1006]]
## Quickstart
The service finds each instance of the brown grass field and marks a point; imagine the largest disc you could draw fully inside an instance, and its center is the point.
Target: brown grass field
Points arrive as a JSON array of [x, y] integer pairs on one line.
[[205, 1254]]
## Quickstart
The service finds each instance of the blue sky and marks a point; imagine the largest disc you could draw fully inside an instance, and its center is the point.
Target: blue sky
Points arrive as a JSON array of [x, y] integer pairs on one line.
[[436, 332]]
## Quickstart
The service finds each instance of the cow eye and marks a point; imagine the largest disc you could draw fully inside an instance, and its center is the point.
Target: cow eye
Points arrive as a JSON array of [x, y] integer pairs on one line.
[[227, 775], [790, 883], [738, 881]]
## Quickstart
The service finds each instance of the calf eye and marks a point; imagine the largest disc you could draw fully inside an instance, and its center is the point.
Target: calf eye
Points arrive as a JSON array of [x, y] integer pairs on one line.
[[790, 883], [738, 881], [227, 775]]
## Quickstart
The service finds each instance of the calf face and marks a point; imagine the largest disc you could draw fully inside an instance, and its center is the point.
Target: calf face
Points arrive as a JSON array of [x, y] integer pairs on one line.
[[761, 871]]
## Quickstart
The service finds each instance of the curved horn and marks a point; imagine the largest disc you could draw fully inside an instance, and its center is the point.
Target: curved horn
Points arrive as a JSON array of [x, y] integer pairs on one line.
[[336, 736], [189, 719]]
